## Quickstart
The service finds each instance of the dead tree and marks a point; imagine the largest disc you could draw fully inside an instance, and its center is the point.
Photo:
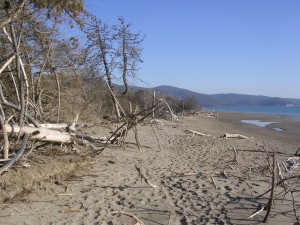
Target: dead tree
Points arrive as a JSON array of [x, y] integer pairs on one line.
[[128, 52], [100, 47], [115, 50]]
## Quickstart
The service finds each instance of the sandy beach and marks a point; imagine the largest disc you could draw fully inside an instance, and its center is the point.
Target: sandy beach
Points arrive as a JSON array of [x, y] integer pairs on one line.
[[200, 179]]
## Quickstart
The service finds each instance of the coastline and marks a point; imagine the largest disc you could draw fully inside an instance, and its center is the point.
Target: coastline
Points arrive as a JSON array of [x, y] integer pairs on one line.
[[288, 139], [181, 165], [292, 112]]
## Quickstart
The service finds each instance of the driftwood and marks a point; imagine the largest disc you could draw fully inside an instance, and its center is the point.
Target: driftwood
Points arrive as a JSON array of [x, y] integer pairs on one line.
[[280, 173], [213, 180], [53, 126], [102, 139], [235, 155], [57, 133], [72, 128], [196, 132], [50, 135], [260, 209], [41, 133], [271, 199], [293, 163], [144, 178], [224, 174], [206, 114], [239, 136], [172, 115], [5, 138], [135, 218]]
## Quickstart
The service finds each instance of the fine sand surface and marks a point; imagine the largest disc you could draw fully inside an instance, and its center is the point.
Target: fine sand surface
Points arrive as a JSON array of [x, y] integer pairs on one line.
[[181, 165]]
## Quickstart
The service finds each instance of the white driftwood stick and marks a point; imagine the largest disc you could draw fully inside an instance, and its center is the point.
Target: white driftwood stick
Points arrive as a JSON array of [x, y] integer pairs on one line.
[[295, 161], [5, 138], [224, 174], [171, 112], [144, 178], [137, 220], [239, 136], [196, 132], [72, 128], [280, 173], [93, 138], [258, 211], [213, 180]]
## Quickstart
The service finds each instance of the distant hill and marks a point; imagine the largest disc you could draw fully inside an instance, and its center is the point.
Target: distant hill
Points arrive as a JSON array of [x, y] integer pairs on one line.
[[226, 99], [230, 99]]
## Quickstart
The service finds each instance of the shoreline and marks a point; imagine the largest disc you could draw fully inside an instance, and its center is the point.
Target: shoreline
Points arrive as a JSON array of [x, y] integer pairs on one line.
[[182, 167], [293, 116], [288, 122]]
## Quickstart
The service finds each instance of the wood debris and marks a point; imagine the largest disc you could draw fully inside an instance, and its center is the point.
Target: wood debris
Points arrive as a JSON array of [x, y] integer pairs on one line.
[[238, 136], [197, 133], [135, 218], [144, 178]]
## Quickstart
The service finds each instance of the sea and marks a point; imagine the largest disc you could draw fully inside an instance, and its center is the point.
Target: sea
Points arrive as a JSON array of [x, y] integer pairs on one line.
[[286, 111]]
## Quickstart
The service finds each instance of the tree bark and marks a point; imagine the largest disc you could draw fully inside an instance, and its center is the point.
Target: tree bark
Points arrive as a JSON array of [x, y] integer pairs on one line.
[[17, 156]]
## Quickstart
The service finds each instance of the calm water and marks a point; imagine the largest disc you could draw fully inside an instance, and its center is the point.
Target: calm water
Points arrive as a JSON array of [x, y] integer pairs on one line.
[[289, 111]]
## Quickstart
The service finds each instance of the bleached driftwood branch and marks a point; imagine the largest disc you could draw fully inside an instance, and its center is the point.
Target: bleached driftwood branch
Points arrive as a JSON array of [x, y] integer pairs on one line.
[[40, 133], [49, 135], [196, 132], [173, 116], [72, 128], [239, 136], [137, 220], [53, 126], [144, 178], [5, 138], [213, 180], [293, 162], [261, 208]]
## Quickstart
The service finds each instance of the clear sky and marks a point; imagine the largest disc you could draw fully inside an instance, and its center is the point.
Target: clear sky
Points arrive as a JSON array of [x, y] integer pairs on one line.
[[215, 46]]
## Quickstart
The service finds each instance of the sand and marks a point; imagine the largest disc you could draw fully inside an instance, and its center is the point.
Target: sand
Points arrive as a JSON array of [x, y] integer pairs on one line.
[[182, 166]]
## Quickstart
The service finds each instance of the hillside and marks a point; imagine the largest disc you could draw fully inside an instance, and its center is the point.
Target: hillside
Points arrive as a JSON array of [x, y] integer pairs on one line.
[[229, 99], [226, 99]]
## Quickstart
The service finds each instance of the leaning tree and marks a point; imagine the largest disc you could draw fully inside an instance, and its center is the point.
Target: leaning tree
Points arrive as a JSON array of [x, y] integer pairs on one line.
[[116, 51]]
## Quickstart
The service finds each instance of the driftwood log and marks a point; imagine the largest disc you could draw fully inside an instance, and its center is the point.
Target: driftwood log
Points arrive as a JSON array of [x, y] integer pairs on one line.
[[197, 133], [238, 136], [43, 133]]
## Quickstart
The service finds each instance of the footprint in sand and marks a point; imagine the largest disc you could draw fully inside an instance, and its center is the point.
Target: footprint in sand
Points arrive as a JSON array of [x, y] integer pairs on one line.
[[228, 188]]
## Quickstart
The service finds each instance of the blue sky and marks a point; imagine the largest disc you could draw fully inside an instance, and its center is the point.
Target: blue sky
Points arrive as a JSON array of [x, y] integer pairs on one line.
[[215, 46]]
